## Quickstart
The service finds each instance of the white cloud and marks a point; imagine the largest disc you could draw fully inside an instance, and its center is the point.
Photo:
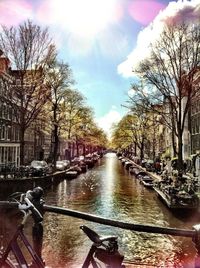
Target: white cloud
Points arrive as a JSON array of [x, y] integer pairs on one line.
[[176, 11], [106, 121]]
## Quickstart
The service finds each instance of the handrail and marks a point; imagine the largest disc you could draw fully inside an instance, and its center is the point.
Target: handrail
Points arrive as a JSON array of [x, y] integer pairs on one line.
[[121, 224], [8, 204], [194, 234], [106, 221]]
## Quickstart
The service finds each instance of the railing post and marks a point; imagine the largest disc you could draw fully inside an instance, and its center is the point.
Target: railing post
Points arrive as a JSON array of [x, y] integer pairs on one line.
[[196, 240], [37, 229]]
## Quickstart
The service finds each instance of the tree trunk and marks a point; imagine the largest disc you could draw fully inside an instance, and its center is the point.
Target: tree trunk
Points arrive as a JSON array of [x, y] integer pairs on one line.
[[56, 143], [135, 148], [22, 145], [174, 145], [77, 148], [180, 151], [72, 150], [142, 150]]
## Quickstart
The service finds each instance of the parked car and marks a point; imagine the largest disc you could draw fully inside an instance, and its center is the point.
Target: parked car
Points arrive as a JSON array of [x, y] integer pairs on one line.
[[76, 160], [66, 163], [60, 165], [39, 168]]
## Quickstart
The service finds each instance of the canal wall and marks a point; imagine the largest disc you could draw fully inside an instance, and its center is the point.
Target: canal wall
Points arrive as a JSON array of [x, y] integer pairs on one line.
[[13, 185], [10, 185], [151, 174]]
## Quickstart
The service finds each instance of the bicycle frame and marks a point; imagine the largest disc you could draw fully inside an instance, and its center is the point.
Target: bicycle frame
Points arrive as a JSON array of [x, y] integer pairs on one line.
[[28, 208], [96, 251], [15, 249], [103, 249], [90, 259]]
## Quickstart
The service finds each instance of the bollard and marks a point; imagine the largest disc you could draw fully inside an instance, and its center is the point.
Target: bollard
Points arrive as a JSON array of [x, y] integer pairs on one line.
[[196, 240]]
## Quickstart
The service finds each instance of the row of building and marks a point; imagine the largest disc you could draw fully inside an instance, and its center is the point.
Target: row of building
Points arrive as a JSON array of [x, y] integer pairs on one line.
[[159, 143], [38, 141]]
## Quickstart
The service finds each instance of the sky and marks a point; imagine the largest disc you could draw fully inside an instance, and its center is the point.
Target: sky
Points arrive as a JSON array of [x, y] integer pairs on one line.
[[101, 40]]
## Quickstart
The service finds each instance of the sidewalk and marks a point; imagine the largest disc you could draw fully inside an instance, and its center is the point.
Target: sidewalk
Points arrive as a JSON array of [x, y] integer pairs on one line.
[[158, 177], [151, 174]]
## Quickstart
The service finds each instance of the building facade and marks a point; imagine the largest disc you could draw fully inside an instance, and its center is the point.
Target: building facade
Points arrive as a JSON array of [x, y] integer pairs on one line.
[[9, 129], [195, 125]]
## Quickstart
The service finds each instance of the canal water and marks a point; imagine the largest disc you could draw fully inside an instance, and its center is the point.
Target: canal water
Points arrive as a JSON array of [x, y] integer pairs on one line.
[[109, 191]]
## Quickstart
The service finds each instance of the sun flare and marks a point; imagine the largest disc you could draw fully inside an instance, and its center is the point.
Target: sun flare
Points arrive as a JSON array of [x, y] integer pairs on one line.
[[88, 17]]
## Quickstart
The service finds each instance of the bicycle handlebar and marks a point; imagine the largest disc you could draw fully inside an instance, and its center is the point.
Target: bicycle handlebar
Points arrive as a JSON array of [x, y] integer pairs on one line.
[[26, 202], [29, 206]]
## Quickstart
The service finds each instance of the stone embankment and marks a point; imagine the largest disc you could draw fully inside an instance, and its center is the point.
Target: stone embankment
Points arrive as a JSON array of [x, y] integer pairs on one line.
[[151, 174]]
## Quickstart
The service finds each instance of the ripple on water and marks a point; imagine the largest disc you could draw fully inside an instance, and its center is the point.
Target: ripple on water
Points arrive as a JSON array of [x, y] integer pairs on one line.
[[110, 191]]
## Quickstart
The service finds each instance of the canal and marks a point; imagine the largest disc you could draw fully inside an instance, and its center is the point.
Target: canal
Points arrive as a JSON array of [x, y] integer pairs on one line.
[[108, 190]]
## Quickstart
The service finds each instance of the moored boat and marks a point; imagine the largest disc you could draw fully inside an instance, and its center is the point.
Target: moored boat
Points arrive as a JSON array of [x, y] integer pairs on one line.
[[127, 165], [175, 197], [140, 173], [133, 170], [89, 161], [147, 181], [123, 160], [71, 174]]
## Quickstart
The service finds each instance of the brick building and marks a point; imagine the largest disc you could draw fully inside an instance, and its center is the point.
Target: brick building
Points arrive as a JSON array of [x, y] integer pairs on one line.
[[9, 130]]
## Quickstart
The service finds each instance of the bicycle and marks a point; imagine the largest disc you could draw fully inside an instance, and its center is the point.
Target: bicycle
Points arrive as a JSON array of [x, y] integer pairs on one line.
[[103, 249], [26, 206]]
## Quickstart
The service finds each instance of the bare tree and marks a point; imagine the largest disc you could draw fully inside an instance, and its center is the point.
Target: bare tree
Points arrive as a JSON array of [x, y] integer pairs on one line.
[[171, 69], [152, 101], [29, 48]]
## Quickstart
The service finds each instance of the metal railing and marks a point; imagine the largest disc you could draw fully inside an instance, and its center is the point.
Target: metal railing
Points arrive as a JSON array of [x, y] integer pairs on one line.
[[192, 233]]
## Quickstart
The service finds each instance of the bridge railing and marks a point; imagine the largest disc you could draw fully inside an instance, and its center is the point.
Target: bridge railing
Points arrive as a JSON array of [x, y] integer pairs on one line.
[[193, 233]]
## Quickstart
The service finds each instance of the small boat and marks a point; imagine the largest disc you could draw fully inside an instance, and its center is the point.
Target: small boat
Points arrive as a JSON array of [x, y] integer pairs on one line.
[[127, 164], [133, 170], [140, 174], [89, 161], [175, 197], [83, 167], [123, 160], [147, 181], [71, 174], [76, 168]]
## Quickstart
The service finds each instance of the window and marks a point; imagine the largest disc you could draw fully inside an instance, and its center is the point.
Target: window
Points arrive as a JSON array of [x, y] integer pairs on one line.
[[10, 113], [9, 133], [2, 133]]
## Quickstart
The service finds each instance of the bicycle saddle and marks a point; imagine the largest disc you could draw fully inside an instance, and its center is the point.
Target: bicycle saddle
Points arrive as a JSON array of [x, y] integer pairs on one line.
[[94, 237]]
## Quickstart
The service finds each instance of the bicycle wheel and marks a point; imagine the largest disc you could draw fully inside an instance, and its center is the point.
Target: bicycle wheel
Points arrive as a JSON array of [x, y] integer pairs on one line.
[[8, 264]]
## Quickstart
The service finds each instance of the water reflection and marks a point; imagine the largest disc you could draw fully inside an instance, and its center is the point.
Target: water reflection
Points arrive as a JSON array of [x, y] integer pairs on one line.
[[110, 191]]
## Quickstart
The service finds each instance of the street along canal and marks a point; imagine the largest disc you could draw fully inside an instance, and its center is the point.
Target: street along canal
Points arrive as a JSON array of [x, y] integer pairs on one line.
[[108, 190]]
